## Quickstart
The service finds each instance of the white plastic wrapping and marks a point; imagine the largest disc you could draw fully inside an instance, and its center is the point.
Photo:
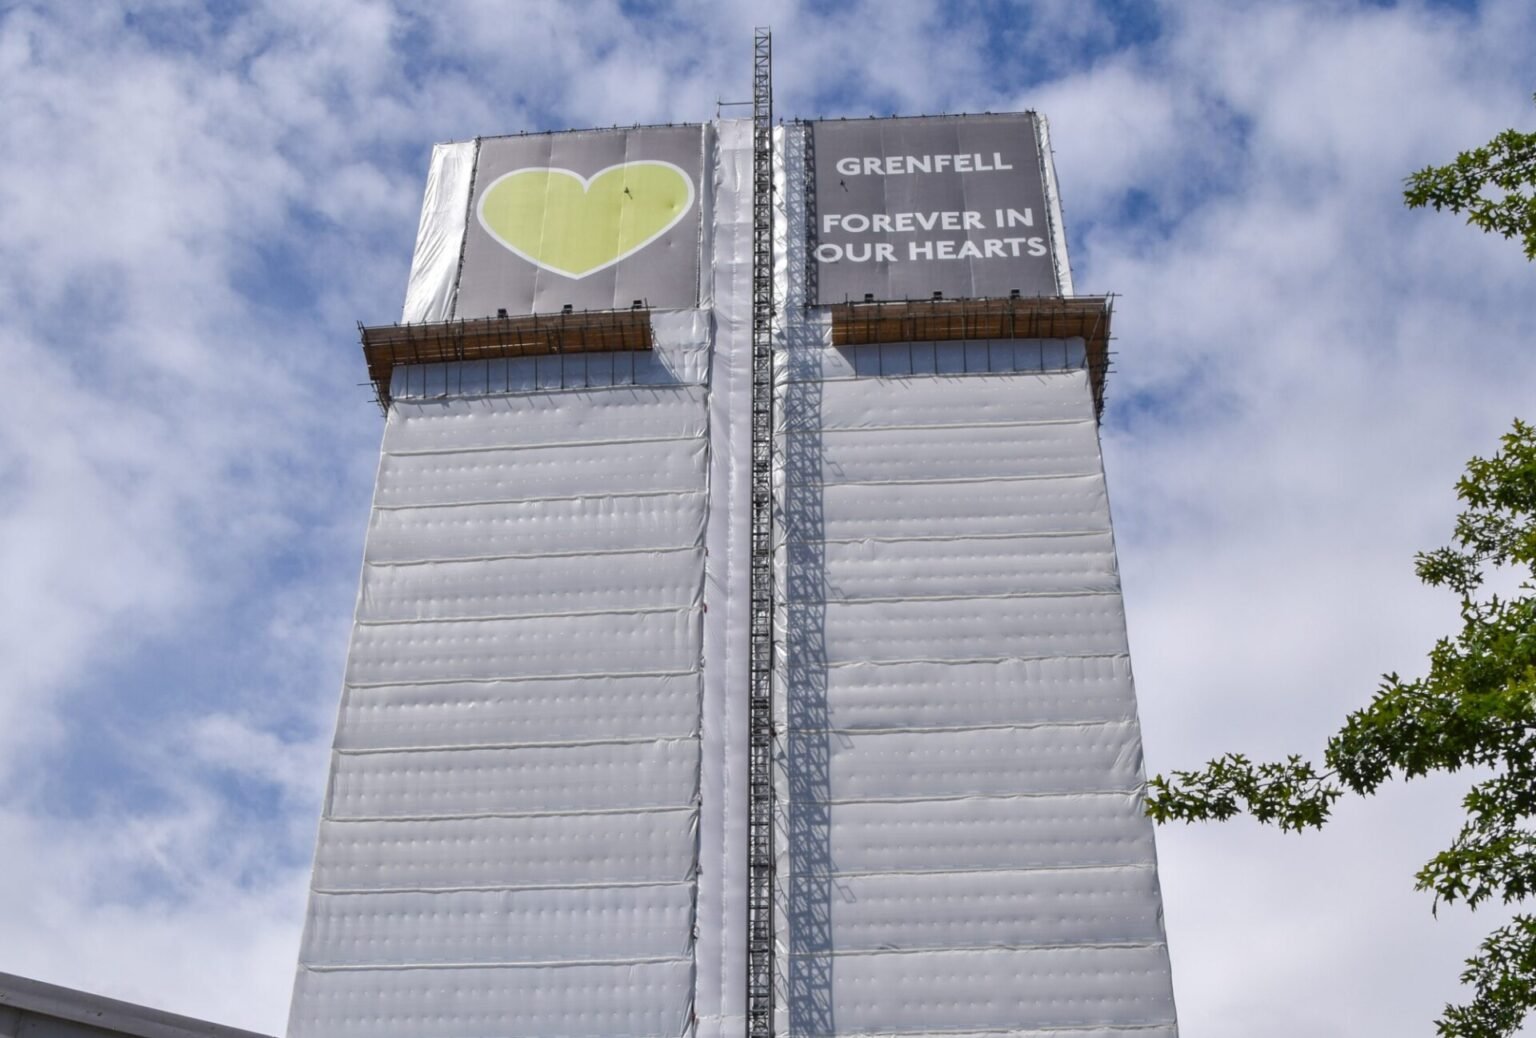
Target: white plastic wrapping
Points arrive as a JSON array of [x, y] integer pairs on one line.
[[1012, 691], [1011, 908], [522, 926], [973, 401], [528, 473], [533, 585], [936, 567], [624, 997], [962, 848], [533, 419], [576, 525], [720, 954], [497, 852], [542, 779], [1053, 206], [527, 710], [997, 989], [972, 628], [951, 762], [440, 237], [929, 453], [1060, 504], [661, 641], [954, 835], [510, 841]]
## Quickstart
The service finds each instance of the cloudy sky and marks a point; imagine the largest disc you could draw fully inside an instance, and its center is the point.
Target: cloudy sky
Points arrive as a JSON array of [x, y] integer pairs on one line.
[[198, 201]]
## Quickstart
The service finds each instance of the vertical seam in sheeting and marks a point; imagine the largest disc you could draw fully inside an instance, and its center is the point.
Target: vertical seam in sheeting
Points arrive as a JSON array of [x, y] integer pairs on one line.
[[735, 546], [722, 907], [1053, 209], [793, 315], [690, 1025], [469, 212]]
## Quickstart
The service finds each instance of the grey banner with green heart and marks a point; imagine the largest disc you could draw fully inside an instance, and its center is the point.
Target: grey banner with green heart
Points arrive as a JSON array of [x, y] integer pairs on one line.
[[592, 219]]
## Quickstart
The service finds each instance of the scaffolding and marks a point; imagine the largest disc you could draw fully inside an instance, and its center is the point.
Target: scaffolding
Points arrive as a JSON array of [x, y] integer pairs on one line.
[[490, 338], [760, 865], [1015, 317]]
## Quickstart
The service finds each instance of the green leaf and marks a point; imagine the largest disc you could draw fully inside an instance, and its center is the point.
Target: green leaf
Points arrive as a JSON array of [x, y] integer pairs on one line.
[[1491, 184]]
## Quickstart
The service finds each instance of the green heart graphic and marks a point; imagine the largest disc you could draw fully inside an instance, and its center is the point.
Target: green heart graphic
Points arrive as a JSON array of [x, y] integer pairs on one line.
[[576, 226]]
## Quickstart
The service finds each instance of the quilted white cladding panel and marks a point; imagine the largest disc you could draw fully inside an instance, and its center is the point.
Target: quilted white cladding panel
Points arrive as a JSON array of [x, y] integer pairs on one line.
[[533, 710], [572, 525], [614, 642], [950, 762], [530, 586], [1009, 451], [997, 989], [509, 844], [962, 844], [554, 924], [936, 402], [853, 511], [519, 779], [977, 693], [1012, 908], [506, 851], [535, 419], [540, 472], [860, 569], [590, 999], [970, 833], [973, 627]]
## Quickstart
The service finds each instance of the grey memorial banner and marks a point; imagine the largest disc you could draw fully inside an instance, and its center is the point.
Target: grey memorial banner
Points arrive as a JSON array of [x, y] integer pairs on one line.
[[593, 220], [909, 207]]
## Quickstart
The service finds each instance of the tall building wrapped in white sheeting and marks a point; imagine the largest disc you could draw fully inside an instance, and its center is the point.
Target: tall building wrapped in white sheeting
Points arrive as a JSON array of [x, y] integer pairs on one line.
[[537, 822]]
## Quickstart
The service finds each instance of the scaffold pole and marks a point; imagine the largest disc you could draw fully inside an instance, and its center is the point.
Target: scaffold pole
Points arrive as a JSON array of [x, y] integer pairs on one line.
[[760, 851]]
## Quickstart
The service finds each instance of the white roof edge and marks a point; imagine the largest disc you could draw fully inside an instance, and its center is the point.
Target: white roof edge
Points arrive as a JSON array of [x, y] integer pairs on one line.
[[50, 1000]]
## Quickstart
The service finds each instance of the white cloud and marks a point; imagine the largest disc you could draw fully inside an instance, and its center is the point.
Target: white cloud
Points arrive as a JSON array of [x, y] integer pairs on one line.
[[207, 944], [1304, 368]]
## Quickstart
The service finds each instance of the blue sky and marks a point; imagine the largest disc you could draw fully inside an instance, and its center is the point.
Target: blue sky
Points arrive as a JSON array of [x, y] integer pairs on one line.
[[198, 202]]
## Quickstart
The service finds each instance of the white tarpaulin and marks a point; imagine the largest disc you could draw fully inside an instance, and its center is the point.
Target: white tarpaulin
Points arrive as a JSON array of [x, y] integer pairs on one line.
[[961, 844], [510, 840], [440, 238]]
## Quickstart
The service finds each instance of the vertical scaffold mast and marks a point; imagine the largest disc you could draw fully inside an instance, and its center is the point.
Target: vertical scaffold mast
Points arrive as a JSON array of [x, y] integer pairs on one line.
[[760, 863]]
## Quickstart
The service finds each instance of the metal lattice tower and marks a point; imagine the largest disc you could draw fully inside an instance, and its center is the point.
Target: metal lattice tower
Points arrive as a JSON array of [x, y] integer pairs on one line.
[[760, 866]]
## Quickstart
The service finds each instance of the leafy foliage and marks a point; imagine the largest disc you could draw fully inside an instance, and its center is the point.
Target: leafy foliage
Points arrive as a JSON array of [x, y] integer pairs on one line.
[[1491, 184], [1476, 707]]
